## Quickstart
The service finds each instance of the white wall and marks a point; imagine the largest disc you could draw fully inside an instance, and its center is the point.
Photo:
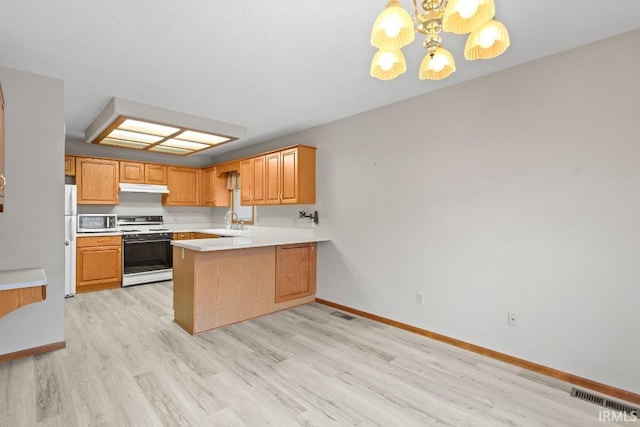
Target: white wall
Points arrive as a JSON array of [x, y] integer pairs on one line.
[[518, 191], [151, 204], [32, 226]]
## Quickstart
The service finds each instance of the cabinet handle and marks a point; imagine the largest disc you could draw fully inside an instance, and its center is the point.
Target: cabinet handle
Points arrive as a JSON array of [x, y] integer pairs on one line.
[[3, 183], [100, 240]]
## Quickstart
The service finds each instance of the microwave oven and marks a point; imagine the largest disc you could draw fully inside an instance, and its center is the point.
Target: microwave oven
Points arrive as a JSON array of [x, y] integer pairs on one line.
[[97, 223]]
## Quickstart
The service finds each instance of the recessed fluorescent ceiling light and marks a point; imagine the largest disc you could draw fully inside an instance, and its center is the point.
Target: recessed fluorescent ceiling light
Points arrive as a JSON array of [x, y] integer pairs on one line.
[[184, 144], [125, 144], [125, 135], [137, 126], [202, 137], [149, 128]]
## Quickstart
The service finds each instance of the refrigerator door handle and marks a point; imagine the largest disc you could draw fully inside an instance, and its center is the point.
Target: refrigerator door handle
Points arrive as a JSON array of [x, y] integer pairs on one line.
[[74, 201], [72, 229]]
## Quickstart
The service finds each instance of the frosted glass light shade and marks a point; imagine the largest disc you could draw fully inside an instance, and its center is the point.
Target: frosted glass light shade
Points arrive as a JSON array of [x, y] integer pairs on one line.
[[486, 42], [134, 136], [393, 29], [205, 138], [148, 128], [441, 66], [388, 64], [464, 16]]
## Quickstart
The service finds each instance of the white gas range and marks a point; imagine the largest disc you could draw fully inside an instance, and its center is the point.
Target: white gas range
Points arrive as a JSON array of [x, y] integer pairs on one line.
[[147, 255]]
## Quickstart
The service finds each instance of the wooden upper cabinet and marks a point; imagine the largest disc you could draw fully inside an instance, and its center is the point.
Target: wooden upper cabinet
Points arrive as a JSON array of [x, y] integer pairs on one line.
[[97, 181], [214, 188], [132, 172], [296, 268], [257, 179], [228, 167], [272, 178], [142, 173], [155, 174], [3, 180], [69, 165], [245, 182], [252, 181], [291, 176], [184, 187]]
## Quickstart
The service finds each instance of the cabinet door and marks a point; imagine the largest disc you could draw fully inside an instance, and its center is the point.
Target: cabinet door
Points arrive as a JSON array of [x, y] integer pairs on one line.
[[132, 172], [272, 178], [2, 178], [258, 189], [97, 181], [155, 174], [245, 182], [289, 176], [69, 165], [295, 271], [98, 265], [184, 187], [209, 194], [214, 188]]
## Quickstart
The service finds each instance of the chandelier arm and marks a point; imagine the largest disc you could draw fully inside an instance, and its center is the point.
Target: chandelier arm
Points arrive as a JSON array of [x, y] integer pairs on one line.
[[415, 10]]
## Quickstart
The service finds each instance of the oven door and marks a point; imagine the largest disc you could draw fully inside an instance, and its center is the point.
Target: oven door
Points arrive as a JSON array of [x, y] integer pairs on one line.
[[146, 261]]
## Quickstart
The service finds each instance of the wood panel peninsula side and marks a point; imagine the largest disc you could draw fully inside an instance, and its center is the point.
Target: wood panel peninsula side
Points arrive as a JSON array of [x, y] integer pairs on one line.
[[214, 286]]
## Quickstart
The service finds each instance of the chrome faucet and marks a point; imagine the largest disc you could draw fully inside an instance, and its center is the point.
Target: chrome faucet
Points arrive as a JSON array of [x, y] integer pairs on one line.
[[228, 219]]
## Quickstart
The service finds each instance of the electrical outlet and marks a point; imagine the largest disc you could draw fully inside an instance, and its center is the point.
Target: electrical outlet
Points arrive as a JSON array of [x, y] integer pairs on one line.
[[420, 297], [512, 320]]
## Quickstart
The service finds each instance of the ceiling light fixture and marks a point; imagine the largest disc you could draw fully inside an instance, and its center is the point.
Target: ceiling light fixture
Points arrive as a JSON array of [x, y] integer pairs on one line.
[[395, 29], [128, 124]]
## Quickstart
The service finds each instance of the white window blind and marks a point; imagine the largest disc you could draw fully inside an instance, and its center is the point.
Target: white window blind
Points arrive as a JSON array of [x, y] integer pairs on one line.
[[245, 213]]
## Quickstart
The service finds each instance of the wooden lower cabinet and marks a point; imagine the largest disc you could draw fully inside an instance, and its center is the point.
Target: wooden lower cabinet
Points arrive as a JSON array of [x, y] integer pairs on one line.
[[182, 235], [188, 235], [196, 235], [296, 267], [217, 288], [98, 263]]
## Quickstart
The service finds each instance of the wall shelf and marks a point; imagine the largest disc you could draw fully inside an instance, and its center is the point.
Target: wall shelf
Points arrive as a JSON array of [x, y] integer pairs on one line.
[[21, 287]]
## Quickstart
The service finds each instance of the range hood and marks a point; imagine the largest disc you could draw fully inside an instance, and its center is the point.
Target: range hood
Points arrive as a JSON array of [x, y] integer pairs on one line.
[[143, 188]]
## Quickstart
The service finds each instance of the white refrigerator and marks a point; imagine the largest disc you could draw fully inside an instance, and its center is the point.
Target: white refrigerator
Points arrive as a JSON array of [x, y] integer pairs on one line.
[[70, 215]]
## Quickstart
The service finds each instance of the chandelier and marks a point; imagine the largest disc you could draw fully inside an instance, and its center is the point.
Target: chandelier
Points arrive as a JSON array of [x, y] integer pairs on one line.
[[394, 29]]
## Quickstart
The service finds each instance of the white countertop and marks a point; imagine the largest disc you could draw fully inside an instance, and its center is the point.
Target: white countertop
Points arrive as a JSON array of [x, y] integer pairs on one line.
[[17, 279], [252, 238], [112, 233]]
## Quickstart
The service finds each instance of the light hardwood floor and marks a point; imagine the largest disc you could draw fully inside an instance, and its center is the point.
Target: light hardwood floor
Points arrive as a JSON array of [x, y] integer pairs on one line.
[[127, 364]]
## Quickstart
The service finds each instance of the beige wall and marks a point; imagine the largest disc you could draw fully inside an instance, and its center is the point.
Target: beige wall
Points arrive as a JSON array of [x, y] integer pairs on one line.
[[518, 191], [32, 226]]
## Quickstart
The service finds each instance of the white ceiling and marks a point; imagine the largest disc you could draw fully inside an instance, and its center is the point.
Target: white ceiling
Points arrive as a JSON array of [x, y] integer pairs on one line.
[[275, 67]]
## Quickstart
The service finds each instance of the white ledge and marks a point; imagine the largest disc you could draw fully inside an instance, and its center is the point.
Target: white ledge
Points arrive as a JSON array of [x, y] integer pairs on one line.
[[18, 279]]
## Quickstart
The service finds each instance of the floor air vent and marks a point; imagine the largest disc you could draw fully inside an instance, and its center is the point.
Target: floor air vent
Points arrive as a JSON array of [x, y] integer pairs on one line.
[[342, 315], [602, 401]]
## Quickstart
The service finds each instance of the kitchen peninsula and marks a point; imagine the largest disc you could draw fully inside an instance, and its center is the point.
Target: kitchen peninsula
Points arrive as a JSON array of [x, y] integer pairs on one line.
[[245, 274]]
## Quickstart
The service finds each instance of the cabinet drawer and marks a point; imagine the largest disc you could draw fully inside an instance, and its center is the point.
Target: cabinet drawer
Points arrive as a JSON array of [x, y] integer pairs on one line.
[[182, 236], [84, 242], [204, 236]]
